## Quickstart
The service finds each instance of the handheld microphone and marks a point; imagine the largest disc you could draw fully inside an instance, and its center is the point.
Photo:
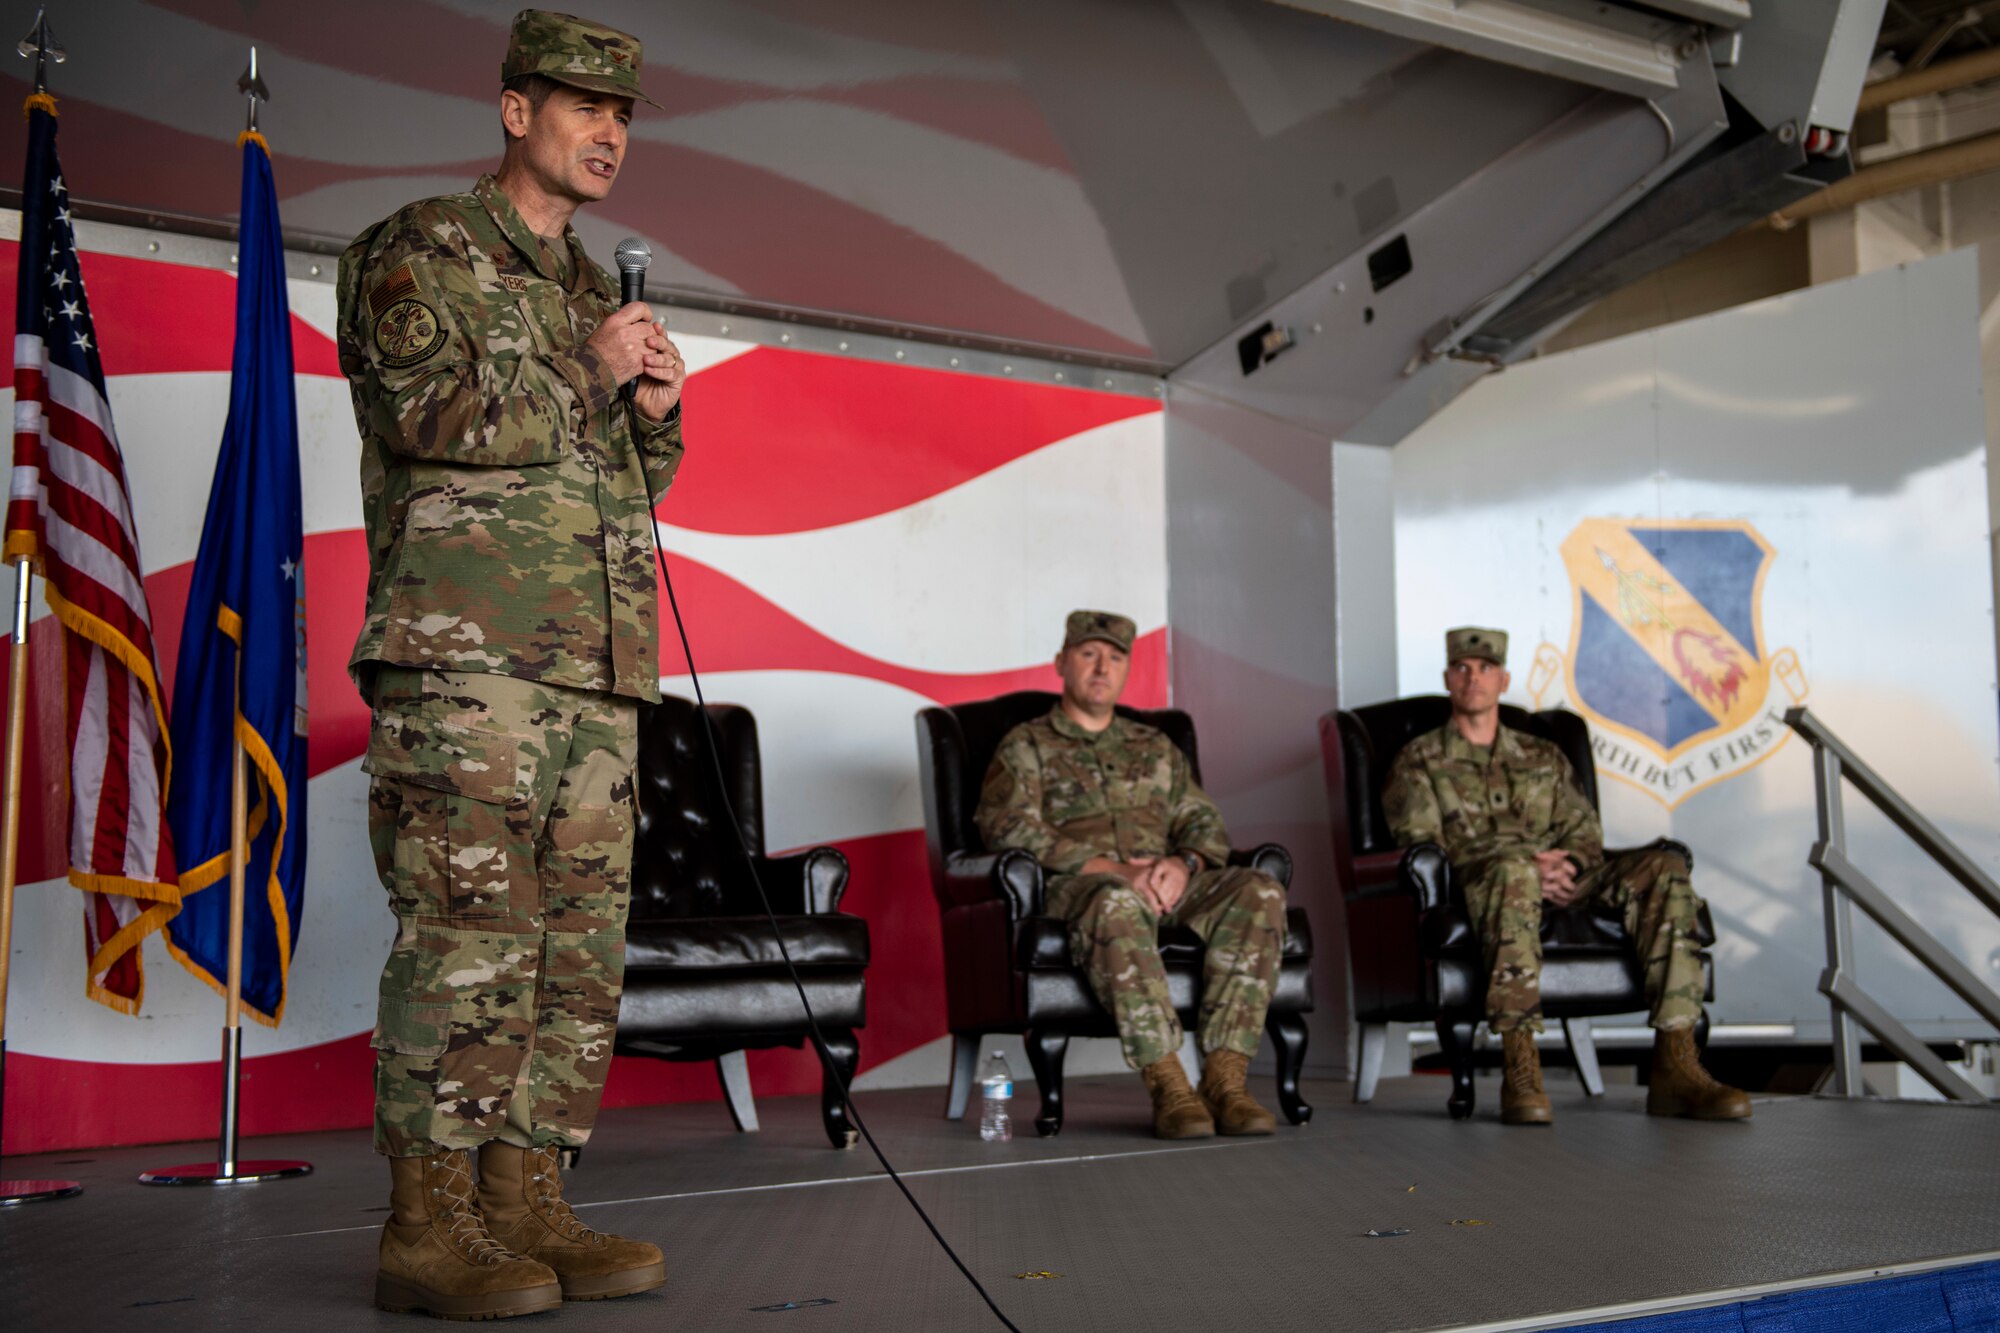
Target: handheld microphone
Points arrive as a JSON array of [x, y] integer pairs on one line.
[[634, 256]]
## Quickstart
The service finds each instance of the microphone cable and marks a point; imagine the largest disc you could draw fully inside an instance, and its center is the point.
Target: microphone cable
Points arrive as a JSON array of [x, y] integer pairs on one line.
[[750, 864]]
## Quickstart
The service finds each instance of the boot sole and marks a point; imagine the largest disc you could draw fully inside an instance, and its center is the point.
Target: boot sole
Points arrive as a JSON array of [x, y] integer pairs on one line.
[[1539, 1117], [1254, 1129], [1687, 1111], [1178, 1135], [400, 1297], [610, 1286]]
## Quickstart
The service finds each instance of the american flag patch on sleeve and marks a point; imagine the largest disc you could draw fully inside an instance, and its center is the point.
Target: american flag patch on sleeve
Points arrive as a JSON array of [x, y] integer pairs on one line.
[[401, 282]]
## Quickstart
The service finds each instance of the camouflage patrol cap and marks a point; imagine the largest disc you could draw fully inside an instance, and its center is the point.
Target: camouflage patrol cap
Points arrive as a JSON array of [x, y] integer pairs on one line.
[[1083, 626], [574, 51], [1470, 641]]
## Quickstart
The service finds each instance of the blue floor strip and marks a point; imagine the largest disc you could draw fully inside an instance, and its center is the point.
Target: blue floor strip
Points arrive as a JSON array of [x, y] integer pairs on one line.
[[1949, 1300]]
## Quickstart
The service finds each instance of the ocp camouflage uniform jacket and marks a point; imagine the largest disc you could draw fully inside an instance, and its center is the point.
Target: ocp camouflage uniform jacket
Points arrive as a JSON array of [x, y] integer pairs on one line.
[[1066, 795], [1521, 799], [506, 512]]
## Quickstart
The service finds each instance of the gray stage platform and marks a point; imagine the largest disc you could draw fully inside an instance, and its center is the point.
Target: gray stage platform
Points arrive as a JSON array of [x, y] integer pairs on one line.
[[1609, 1207]]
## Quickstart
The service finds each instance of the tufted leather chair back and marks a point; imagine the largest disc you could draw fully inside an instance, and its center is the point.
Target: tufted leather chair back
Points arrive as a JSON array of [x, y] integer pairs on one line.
[[957, 744], [1372, 737], [686, 861]]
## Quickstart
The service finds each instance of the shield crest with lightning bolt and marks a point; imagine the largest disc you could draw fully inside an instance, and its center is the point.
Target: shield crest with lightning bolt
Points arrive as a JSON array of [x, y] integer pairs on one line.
[[1667, 648]]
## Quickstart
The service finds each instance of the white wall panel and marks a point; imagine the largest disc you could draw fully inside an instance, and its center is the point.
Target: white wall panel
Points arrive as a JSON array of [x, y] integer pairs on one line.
[[1843, 424]]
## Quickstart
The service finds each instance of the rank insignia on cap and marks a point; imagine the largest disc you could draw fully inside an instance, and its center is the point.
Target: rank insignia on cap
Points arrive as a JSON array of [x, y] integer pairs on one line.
[[1083, 626], [407, 332], [1472, 641]]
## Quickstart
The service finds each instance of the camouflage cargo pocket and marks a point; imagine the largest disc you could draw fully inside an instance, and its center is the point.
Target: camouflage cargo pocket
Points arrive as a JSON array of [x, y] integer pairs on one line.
[[463, 844], [385, 815], [406, 1022]]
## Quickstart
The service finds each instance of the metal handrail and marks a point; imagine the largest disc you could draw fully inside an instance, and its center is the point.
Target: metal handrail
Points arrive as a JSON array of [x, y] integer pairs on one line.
[[1843, 886]]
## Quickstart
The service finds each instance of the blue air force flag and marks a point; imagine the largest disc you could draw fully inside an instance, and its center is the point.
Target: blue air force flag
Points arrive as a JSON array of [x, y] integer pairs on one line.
[[242, 654]]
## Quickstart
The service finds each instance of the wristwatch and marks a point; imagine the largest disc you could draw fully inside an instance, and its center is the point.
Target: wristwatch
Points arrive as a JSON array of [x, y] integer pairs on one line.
[[1191, 861]]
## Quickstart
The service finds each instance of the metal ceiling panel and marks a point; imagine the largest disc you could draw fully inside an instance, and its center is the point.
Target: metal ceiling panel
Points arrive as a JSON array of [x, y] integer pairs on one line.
[[1804, 60], [1719, 13], [1619, 50], [1368, 363], [1120, 183]]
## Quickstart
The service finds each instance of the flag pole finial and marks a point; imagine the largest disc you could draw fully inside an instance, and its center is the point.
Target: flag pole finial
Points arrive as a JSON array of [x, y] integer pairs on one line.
[[43, 46], [251, 85]]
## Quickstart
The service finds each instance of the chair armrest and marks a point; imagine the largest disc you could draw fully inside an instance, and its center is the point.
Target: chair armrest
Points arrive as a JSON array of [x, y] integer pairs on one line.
[[1267, 857], [1658, 845], [1422, 874], [805, 883], [1012, 875]]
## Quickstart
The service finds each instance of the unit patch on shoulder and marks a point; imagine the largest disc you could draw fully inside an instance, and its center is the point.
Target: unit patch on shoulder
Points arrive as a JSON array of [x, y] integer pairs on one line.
[[407, 332]]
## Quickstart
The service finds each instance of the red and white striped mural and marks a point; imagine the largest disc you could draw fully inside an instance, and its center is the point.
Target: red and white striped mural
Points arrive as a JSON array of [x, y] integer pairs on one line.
[[903, 141], [851, 541]]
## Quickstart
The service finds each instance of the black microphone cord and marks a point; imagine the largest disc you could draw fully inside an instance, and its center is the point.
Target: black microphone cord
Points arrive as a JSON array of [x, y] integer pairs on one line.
[[750, 863]]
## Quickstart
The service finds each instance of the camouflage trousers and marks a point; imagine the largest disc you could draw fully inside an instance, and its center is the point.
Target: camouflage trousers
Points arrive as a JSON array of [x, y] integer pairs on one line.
[[1114, 936], [500, 812], [1649, 887]]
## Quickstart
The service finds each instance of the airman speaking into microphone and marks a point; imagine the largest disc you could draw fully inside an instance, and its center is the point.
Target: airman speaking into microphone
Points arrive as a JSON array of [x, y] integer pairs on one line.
[[511, 631]]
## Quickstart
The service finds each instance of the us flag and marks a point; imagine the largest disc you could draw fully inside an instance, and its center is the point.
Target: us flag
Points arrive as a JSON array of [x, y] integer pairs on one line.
[[69, 511]]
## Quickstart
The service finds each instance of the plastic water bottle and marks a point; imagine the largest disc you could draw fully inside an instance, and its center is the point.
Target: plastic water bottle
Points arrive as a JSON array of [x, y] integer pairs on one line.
[[996, 1086]]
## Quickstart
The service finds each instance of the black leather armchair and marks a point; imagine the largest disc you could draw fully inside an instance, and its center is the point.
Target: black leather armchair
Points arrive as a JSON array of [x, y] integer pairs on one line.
[[704, 978], [1416, 957], [1007, 965]]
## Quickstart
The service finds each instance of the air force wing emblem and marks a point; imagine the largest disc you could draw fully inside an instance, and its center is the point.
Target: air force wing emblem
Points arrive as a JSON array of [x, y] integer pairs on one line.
[[1666, 655]]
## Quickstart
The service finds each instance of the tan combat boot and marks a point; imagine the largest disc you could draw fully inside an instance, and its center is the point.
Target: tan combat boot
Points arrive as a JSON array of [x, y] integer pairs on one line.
[[436, 1255], [1522, 1101], [1680, 1086], [1222, 1091], [1177, 1112], [520, 1190]]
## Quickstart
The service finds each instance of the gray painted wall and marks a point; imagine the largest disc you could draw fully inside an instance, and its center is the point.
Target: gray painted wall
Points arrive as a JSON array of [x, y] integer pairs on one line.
[[1250, 615]]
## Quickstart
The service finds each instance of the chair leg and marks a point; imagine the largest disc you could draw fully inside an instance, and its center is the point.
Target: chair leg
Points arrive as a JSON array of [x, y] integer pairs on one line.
[[1368, 1071], [734, 1071], [964, 1065], [1046, 1051], [1583, 1050], [843, 1053], [1288, 1042], [1455, 1037]]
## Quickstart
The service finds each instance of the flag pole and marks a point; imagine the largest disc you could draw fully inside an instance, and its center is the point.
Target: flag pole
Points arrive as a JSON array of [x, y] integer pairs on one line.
[[225, 1169], [232, 1020], [43, 47], [17, 1191]]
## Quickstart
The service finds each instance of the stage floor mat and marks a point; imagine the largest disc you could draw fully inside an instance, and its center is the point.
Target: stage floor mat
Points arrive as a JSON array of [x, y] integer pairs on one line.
[[1507, 1227]]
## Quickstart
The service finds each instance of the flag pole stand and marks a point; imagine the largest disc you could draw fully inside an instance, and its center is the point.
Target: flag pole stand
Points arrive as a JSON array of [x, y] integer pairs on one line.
[[226, 1169], [17, 1191]]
